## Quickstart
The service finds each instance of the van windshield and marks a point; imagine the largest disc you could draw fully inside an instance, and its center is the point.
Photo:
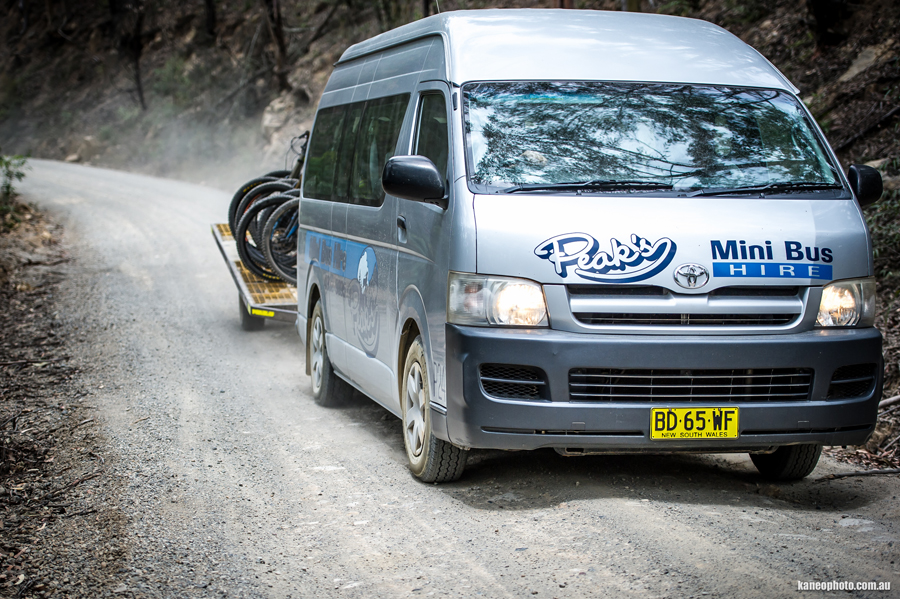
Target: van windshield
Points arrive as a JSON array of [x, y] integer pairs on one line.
[[587, 137]]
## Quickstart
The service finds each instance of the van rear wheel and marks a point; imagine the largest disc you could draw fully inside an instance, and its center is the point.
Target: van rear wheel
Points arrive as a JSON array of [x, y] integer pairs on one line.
[[791, 462], [431, 460]]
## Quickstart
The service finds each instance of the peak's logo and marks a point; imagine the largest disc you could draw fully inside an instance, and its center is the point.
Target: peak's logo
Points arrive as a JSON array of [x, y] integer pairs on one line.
[[623, 263]]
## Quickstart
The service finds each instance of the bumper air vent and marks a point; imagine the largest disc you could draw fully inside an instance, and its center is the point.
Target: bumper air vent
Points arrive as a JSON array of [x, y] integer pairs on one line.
[[852, 381], [507, 381]]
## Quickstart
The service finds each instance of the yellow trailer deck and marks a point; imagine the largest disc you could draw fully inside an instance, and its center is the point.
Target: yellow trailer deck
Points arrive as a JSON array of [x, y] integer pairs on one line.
[[262, 298]]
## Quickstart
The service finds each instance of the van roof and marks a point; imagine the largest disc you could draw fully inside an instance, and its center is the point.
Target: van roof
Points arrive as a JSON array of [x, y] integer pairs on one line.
[[583, 45]]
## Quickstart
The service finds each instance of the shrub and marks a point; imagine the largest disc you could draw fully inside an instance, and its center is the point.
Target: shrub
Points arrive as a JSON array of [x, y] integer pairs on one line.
[[12, 169]]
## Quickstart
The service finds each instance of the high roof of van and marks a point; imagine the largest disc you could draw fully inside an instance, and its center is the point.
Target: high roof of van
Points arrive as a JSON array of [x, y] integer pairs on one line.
[[583, 45]]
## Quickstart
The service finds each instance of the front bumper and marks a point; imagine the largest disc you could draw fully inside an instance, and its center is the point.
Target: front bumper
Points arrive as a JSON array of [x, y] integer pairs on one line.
[[475, 419]]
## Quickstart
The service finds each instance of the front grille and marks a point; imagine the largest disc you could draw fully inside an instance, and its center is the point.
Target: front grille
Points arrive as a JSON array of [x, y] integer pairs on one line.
[[755, 292], [852, 381], [651, 290], [617, 290], [731, 386], [600, 318], [514, 382]]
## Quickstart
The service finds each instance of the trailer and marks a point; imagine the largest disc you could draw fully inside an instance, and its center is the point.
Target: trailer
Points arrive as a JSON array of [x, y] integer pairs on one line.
[[260, 299]]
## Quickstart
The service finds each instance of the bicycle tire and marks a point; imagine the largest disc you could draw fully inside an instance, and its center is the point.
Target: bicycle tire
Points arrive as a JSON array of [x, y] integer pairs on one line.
[[252, 256], [279, 236], [257, 193], [240, 193], [278, 174]]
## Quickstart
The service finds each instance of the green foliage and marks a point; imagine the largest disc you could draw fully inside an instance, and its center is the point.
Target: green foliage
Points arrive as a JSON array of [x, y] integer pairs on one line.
[[681, 8], [127, 113], [171, 80], [746, 11], [12, 169]]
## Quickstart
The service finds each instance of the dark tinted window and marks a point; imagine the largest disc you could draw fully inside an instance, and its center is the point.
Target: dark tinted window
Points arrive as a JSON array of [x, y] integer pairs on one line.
[[375, 143], [346, 152], [431, 138], [322, 155]]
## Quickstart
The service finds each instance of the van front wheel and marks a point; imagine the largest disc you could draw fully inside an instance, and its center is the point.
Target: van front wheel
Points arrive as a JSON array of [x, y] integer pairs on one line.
[[790, 462], [431, 460]]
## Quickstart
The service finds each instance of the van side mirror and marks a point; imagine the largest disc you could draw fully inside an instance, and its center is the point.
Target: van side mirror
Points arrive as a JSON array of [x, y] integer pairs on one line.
[[414, 178], [866, 183]]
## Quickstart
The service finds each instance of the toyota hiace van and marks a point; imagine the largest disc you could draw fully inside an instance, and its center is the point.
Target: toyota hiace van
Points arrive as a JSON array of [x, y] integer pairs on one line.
[[587, 231]]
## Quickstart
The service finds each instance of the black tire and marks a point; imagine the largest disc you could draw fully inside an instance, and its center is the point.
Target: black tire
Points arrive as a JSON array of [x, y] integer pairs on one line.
[[239, 195], [278, 174], [328, 389], [431, 460], [248, 321], [248, 248], [258, 192], [279, 241], [791, 462]]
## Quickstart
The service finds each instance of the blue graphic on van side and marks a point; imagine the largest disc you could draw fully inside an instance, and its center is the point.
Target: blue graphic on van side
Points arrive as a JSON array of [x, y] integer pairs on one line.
[[363, 301], [624, 263], [772, 270], [356, 265]]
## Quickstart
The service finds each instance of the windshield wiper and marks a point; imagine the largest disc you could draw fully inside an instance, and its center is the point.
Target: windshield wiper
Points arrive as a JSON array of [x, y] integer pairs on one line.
[[775, 187], [599, 184]]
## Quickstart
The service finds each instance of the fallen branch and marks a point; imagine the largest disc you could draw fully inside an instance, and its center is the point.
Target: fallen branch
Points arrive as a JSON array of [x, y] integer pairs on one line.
[[238, 89], [43, 263], [876, 124], [82, 423], [886, 412], [888, 446], [38, 361], [81, 513], [860, 473], [10, 419], [53, 430], [51, 494], [884, 403]]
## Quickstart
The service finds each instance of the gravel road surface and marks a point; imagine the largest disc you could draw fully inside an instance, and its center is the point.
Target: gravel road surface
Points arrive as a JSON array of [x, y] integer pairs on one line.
[[226, 480]]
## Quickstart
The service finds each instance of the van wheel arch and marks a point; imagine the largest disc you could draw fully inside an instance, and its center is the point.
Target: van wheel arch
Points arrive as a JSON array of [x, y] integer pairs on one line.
[[313, 297], [408, 334]]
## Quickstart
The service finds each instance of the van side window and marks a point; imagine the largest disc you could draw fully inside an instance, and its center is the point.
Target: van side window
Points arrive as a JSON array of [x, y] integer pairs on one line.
[[321, 158], [346, 152], [376, 142], [432, 140]]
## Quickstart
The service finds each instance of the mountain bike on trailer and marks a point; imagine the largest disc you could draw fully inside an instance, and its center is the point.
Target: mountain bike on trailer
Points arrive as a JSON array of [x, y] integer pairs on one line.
[[259, 243]]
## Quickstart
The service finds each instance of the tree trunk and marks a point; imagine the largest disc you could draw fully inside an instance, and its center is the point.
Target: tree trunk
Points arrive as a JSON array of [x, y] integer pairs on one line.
[[23, 10], [131, 46], [138, 49], [567, 3], [631, 5], [211, 17], [276, 30], [426, 8]]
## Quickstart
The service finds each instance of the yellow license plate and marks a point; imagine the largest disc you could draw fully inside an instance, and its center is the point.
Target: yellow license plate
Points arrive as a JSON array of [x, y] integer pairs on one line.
[[693, 423]]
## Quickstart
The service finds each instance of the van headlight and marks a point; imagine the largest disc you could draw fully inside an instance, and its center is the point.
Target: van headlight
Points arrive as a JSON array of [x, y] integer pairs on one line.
[[848, 304], [495, 301]]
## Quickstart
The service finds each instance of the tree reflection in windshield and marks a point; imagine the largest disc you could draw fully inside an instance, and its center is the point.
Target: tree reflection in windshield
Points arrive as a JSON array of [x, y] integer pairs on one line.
[[688, 136]]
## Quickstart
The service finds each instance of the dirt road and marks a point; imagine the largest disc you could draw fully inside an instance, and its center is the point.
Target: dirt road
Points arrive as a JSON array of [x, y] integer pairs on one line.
[[232, 482]]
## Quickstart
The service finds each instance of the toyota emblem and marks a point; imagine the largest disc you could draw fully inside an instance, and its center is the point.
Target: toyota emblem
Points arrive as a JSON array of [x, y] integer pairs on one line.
[[691, 276]]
